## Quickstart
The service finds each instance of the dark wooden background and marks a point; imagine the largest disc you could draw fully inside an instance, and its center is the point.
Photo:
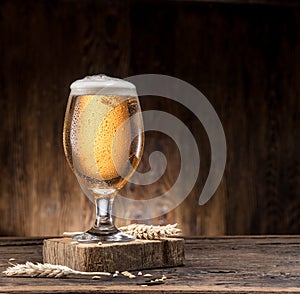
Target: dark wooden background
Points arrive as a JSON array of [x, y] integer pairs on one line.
[[245, 58]]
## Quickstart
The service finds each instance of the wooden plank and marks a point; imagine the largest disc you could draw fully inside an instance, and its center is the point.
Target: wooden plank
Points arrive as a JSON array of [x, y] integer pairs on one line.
[[110, 257], [268, 264], [153, 289], [244, 58]]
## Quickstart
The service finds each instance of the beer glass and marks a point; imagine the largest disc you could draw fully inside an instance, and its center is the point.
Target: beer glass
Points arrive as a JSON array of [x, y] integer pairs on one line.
[[103, 140]]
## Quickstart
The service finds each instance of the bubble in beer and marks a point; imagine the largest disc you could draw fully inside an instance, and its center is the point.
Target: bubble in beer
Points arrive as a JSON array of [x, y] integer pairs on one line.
[[109, 144], [93, 142]]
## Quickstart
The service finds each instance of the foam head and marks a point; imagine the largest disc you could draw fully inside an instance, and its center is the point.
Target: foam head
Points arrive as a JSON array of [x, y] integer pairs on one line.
[[102, 85]]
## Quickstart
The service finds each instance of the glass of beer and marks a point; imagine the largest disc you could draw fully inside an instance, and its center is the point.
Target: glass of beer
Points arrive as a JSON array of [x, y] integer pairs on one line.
[[103, 140]]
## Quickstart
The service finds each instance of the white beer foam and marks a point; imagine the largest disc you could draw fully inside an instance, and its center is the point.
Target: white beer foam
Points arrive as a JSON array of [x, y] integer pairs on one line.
[[102, 85]]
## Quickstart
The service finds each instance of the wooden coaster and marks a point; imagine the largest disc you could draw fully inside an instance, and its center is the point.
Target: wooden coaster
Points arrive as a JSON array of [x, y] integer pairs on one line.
[[110, 257]]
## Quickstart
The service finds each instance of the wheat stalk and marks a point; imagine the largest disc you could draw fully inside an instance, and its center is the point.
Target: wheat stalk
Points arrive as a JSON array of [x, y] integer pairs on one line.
[[46, 270], [149, 232]]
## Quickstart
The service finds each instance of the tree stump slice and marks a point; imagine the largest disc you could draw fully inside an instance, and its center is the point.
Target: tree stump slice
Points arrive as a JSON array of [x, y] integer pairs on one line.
[[110, 257]]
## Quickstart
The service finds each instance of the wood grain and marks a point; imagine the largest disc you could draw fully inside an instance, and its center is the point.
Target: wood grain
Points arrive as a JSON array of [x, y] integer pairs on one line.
[[244, 57], [135, 255], [259, 264]]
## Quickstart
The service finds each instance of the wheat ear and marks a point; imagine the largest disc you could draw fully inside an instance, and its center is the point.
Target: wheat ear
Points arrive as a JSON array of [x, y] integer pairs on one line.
[[150, 232], [46, 270]]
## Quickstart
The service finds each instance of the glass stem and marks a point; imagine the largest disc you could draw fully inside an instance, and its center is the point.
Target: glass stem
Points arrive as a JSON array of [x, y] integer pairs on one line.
[[104, 222]]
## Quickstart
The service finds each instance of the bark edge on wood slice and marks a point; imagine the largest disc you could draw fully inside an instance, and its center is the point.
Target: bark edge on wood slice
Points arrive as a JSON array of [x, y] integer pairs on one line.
[[110, 257]]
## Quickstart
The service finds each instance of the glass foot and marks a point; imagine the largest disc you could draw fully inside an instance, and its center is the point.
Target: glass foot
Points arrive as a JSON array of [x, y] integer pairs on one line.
[[118, 236]]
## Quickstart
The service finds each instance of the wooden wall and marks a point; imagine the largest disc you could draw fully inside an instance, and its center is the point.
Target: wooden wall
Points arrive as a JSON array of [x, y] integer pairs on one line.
[[245, 58]]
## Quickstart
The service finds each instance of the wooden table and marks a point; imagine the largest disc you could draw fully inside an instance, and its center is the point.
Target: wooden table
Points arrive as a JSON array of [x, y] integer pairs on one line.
[[213, 265]]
